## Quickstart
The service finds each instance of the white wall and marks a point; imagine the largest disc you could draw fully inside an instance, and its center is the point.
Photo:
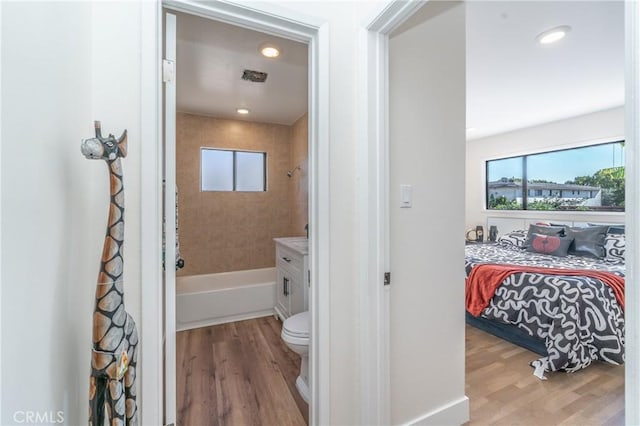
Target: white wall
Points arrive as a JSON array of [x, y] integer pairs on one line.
[[427, 142], [48, 206], [115, 92], [604, 126], [64, 64], [344, 19]]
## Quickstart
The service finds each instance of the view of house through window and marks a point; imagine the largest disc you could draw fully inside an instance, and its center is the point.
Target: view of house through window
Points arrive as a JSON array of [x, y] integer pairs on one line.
[[587, 178], [226, 170]]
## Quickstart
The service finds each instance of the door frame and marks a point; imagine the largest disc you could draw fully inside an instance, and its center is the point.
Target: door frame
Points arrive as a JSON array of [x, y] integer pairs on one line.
[[277, 21], [632, 211], [373, 205], [374, 210]]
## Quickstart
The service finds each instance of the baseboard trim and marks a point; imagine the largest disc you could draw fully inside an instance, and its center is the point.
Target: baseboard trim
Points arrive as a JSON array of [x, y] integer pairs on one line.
[[223, 320], [454, 413]]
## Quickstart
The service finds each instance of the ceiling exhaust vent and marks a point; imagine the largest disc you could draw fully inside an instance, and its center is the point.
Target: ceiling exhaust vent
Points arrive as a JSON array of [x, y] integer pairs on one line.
[[255, 76]]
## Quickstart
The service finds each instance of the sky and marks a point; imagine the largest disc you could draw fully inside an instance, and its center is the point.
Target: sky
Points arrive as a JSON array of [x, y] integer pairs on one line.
[[560, 166]]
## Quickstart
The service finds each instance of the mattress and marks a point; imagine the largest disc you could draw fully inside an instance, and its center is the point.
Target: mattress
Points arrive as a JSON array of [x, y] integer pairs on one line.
[[577, 318]]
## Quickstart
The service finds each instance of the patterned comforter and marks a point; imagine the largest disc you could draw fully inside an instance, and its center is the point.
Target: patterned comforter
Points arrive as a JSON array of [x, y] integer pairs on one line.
[[578, 317]]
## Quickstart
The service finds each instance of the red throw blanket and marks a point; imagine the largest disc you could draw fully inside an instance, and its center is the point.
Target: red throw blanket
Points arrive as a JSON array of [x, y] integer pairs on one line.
[[484, 279]]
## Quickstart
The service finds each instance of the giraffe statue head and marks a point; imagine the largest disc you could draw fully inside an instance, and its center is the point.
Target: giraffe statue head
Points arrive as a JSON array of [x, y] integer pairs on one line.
[[107, 149]]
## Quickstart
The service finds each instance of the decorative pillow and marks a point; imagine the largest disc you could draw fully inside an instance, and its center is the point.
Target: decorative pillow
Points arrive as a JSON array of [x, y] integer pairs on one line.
[[556, 231], [513, 239], [588, 241], [614, 246], [549, 244], [616, 228]]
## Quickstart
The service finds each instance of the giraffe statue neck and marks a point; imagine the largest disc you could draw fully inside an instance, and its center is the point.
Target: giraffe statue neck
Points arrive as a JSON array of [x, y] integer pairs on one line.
[[109, 313], [111, 266]]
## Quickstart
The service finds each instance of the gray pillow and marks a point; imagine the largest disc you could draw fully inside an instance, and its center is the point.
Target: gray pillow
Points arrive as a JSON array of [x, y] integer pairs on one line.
[[557, 231], [588, 242], [615, 229]]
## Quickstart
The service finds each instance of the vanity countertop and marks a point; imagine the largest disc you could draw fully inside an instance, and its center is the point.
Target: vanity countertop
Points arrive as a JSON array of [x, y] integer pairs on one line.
[[297, 244]]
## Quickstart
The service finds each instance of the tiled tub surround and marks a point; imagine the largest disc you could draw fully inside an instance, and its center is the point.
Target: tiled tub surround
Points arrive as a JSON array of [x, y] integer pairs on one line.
[[233, 231], [299, 185]]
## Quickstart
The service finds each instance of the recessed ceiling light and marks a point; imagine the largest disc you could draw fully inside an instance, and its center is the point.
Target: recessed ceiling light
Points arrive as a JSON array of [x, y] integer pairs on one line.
[[243, 111], [553, 35], [269, 51]]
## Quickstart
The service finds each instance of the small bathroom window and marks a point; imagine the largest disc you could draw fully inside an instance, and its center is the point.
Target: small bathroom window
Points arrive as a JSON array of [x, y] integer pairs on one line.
[[227, 170]]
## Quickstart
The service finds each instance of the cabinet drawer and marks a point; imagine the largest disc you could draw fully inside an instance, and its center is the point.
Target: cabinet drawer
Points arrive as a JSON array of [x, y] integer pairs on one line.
[[288, 268], [289, 259]]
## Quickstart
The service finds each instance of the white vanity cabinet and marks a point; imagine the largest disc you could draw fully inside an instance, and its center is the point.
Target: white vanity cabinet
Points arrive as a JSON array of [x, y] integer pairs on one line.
[[292, 285]]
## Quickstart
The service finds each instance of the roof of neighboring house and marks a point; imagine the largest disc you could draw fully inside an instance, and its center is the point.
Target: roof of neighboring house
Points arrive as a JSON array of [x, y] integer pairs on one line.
[[541, 185]]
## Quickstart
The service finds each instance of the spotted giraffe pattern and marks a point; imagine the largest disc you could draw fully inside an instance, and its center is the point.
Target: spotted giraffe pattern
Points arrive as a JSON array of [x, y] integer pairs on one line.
[[112, 386]]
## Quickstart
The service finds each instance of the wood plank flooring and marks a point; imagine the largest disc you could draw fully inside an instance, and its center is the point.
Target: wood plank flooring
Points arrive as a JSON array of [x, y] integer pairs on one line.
[[243, 374], [503, 391], [239, 373]]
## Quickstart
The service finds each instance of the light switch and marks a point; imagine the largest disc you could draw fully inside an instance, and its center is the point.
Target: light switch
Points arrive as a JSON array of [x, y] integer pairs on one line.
[[405, 196]]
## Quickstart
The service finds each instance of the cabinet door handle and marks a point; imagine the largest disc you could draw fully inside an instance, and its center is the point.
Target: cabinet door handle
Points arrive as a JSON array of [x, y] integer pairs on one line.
[[286, 259], [285, 287]]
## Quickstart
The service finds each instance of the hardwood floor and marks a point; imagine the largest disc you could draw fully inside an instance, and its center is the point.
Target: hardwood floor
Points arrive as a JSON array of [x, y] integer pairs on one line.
[[243, 374], [503, 391], [239, 373]]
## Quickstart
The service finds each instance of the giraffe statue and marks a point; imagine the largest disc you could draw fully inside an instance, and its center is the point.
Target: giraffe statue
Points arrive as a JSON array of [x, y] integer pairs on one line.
[[115, 338]]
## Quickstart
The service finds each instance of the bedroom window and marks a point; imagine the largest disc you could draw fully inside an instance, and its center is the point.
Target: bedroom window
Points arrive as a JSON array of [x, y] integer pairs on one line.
[[228, 170], [506, 190], [590, 178]]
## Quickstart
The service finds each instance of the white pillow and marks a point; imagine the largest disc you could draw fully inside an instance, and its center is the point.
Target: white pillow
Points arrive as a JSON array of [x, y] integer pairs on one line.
[[614, 246], [513, 240]]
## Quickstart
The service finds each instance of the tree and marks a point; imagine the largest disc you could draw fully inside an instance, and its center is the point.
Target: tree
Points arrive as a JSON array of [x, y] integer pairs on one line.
[[501, 203], [612, 182], [547, 204]]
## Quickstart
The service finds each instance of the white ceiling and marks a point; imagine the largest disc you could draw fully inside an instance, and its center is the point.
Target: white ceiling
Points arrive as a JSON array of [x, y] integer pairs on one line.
[[512, 82], [211, 57]]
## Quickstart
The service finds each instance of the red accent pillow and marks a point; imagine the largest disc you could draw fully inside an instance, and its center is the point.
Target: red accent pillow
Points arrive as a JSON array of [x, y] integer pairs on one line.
[[549, 244], [556, 231], [545, 243]]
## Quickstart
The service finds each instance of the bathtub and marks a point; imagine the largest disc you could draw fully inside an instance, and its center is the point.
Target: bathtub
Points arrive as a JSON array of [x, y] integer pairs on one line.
[[209, 299]]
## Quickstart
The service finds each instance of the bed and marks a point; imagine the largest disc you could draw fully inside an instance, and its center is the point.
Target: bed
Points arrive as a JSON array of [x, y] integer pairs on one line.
[[566, 305]]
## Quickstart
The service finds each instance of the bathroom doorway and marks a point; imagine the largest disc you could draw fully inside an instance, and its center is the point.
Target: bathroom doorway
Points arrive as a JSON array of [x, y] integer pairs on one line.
[[241, 172], [282, 198]]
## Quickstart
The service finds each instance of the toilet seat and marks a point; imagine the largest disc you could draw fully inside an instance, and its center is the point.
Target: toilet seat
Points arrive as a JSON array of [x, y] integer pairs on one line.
[[295, 329]]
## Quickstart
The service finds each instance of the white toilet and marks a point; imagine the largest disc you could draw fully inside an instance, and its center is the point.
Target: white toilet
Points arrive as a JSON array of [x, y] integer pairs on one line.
[[295, 333]]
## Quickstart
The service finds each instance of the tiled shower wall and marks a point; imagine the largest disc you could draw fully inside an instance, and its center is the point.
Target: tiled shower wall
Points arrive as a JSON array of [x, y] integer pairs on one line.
[[232, 231], [299, 185]]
